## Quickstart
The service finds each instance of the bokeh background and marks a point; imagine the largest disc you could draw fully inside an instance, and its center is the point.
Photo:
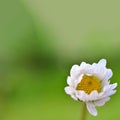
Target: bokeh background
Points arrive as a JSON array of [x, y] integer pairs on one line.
[[39, 42]]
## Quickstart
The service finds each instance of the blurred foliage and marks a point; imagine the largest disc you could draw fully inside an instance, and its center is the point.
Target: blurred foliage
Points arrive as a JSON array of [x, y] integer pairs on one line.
[[39, 42]]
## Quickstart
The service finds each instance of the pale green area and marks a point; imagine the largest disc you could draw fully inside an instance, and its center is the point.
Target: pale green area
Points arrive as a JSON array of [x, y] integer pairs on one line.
[[39, 42]]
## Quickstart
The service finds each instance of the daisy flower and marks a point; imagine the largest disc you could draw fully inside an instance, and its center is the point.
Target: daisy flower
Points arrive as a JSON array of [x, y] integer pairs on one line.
[[90, 84]]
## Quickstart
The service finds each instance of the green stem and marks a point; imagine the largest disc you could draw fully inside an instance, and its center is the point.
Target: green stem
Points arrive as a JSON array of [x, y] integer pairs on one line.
[[84, 110]]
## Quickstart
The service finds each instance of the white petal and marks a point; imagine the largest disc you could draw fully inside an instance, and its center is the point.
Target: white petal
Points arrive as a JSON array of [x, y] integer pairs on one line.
[[109, 89], [101, 71], [102, 62], [74, 97], [82, 65], [98, 71], [110, 92], [74, 70], [113, 86], [104, 82], [85, 68], [93, 95], [81, 95], [91, 108], [71, 92], [101, 102], [103, 74], [69, 81], [76, 81], [108, 74]]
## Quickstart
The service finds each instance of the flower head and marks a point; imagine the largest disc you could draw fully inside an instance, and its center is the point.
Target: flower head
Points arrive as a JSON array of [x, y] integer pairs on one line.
[[90, 84]]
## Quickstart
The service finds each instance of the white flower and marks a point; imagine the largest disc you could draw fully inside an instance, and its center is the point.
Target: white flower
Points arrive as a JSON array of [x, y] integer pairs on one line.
[[90, 84]]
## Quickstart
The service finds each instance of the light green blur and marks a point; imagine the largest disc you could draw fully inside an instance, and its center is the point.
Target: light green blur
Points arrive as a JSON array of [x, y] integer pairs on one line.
[[39, 42]]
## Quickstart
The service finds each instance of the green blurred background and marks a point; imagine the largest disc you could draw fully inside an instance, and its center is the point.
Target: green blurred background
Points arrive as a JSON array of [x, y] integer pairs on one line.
[[39, 42]]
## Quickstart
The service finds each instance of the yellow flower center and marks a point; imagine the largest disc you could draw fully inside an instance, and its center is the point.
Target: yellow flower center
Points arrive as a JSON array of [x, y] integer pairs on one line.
[[89, 83]]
